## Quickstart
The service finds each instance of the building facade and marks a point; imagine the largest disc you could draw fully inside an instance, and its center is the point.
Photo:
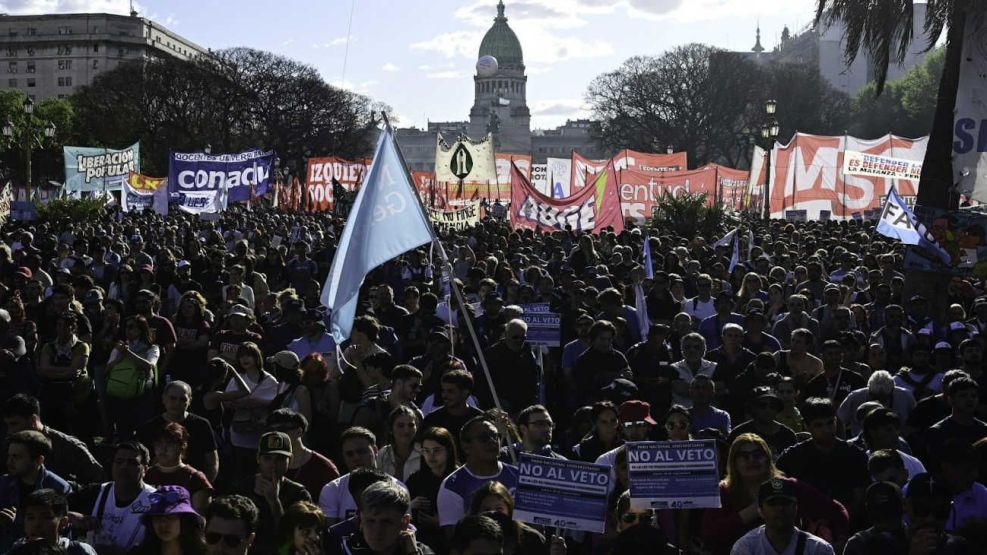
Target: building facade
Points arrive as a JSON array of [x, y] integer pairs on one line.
[[500, 107], [48, 56]]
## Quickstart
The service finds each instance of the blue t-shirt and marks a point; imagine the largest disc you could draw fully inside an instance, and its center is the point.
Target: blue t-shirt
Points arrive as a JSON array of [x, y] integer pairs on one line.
[[456, 491]]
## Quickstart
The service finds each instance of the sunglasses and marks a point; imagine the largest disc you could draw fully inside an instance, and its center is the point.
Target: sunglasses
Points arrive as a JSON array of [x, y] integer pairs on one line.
[[231, 540], [634, 518]]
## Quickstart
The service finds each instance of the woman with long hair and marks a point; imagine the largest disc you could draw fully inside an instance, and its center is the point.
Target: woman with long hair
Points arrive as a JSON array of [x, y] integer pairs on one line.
[[169, 469], [172, 525], [192, 334], [751, 288], [494, 500], [749, 464], [605, 435], [401, 457], [292, 393], [438, 449], [130, 376], [300, 529]]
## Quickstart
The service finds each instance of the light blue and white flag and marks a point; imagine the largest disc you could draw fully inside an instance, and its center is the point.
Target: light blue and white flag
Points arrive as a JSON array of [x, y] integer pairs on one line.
[[649, 268], [899, 222], [386, 220]]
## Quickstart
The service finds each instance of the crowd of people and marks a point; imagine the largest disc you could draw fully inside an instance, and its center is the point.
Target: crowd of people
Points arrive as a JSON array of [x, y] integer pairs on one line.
[[168, 385]]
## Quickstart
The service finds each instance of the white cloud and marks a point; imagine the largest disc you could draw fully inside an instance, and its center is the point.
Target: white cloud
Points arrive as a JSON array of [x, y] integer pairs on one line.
[[551, 113], [338, 41], [29, 7], [464, 44], [288, 42], [362, 87], [389, 67]]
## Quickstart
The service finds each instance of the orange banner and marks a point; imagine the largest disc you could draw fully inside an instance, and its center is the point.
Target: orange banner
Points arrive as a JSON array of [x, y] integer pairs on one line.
[[319, 176]]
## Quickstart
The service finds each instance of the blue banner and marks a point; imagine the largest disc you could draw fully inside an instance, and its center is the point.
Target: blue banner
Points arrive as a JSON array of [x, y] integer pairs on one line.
[[234, 173], [561, 493], [544, 326], [99, 169], [673, 474]]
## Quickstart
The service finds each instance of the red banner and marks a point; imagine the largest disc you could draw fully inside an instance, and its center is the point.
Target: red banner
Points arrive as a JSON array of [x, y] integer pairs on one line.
[[807, 174], [584, 169], [640, 193], [321, 171], [592, 209], [504, 160]]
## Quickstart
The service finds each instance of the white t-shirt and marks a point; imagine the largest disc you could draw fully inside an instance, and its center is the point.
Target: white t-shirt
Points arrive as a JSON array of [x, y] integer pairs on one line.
[[456, 491], [120, 528], [266, 392], [335, 499], [699, 309]]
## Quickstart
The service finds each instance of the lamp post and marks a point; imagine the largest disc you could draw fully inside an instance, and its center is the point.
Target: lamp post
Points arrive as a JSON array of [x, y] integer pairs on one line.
[[30, 138], [770, 132]]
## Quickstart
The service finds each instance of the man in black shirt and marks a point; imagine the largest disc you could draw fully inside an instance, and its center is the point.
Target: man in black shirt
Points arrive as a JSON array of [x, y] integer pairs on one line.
[[828, 463], [963, 396], [763, 407], [202, 453], [454, 412], [599, 365], [836, 382]]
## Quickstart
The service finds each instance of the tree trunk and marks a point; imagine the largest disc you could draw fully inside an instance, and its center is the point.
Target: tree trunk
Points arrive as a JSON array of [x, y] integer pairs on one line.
[[936, 185]]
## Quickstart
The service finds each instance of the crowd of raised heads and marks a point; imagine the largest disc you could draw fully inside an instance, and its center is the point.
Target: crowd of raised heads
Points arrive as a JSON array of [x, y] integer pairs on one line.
[[169, 385]]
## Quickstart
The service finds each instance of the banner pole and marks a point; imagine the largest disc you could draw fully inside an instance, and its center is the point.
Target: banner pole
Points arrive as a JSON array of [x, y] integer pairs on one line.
[[846, 143], [459, 297]]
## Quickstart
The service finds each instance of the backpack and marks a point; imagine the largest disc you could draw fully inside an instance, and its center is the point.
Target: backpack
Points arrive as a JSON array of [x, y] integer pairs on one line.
[[125, 381]]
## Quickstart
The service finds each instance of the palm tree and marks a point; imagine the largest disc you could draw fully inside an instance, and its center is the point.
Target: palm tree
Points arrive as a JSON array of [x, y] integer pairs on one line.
[[884, 29]]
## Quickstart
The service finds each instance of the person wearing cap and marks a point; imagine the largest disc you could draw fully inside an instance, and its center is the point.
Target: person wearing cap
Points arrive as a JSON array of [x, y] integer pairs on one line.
[[777, 505], [763, 408], [182, 284], [172, 525], [884, 504], [307, 467], [836, 382], [636, 424], [711, 327], [235, 332], [292, 393], [796, 318], [272, 492], [943, 358]]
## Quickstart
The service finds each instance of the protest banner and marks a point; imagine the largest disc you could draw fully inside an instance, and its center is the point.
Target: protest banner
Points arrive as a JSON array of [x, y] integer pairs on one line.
[[673, 474], [808, 174], [234, 174], [320, 174], [961, 233], [562, 494], [558, 177], [455, 220], [539, 179], [970, 119], [593, 208], [90, 169], [584, 170], [640, 193], [465, 160], [860, 163], [544, 326], [503, 161], [797, 215], [199, 202], [141, 192]]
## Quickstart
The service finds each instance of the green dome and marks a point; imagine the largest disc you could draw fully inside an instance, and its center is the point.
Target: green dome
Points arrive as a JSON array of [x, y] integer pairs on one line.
[[501, 42]]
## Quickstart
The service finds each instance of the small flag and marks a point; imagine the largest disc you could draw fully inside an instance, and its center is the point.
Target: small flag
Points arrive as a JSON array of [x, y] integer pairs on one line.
[[899, 222], [649, 269]]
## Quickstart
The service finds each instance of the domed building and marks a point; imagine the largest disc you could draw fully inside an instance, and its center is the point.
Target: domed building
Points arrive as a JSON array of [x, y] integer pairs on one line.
[[500, 100]]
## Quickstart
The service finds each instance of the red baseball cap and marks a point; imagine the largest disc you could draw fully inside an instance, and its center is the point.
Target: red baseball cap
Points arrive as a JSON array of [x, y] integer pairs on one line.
[[635, 411]]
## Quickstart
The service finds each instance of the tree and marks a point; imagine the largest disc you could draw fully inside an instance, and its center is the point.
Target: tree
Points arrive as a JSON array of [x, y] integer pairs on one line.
[[709, 103], [884, 28], [237, 100], [907, 105], [46, 154]]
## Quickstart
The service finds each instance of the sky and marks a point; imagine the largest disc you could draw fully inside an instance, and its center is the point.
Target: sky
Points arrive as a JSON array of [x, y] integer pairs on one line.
[[418, 56]]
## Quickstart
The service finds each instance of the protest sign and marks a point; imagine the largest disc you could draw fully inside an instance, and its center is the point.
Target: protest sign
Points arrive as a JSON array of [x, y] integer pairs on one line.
[[544, 326], [455, 220], [99, 169], [561, 493], [593, 208], [141, 192], [319, 177], [961, 233], [970, 114], [861, 163], [234, 174], [673, 474]]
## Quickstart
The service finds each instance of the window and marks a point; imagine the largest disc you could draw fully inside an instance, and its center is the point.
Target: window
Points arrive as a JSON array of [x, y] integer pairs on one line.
[[64, 81], [31, 31], [64, 65], [13, 33], [121, 51], [31, 67], [11, 67], [30, 83], [12, 83], [95, 48], [64, 30], [30, 52], [64, 50], [11, 52], [95, 64]]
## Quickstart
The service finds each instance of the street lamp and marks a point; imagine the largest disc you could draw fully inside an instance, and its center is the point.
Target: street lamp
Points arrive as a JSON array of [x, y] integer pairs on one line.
[[769, 132], [30, 137]]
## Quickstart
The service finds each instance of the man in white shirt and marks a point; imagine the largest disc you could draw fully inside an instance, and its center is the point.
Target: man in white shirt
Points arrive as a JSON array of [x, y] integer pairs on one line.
[[701, 306], [114, 522], [778, 506]]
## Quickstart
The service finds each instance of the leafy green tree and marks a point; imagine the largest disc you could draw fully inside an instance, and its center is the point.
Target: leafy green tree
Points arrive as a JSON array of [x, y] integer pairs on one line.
[[907, 105]]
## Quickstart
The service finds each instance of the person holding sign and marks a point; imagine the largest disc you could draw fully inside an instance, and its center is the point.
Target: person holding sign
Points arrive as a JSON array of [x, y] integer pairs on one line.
[[777, 503]]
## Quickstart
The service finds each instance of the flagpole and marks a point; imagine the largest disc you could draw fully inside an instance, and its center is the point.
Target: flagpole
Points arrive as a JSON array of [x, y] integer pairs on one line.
[[454, 288]]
